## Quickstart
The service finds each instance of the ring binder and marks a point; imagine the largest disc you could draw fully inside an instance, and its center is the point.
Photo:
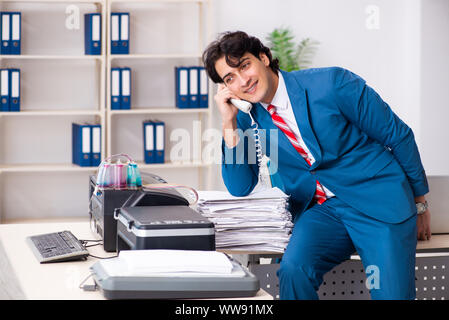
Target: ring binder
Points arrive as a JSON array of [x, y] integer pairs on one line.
[[124, 33], [92, 33], [96, 144], [115, 36], [15, 42], [194, 101], [116, 89], [125, 88], [182, 87], [14, 101], [148, 142], [4, 90], [81, 144], [204, 88], [159, 135], [5, 33]]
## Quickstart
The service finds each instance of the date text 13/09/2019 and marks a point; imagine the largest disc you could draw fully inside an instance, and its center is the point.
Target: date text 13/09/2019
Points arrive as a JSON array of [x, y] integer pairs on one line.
[[225, 309]]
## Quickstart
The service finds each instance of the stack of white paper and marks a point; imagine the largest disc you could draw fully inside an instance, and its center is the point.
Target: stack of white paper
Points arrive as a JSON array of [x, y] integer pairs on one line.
[[257, 222], [176, 261]]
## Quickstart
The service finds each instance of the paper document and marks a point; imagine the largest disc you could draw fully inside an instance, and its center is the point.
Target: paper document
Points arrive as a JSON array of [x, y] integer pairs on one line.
[[176, 261], [224, 195], [117, 267], [258, 222]]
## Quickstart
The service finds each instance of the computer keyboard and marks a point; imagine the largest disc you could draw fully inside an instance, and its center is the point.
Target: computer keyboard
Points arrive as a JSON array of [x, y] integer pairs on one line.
[[57, 247]]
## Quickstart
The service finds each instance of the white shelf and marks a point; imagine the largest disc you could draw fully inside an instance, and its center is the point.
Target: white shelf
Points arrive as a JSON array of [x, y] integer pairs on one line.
[[159, 111], [158, 1], [156, 56], [68, 167], [50, 57], [44, 167], [54, 1], [171, 165], [25, 113]]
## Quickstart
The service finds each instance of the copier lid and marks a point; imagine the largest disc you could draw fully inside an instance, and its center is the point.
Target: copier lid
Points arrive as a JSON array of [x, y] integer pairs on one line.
[[165, 217]]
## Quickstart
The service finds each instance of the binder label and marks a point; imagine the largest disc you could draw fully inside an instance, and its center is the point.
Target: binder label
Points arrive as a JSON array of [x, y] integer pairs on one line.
[[160, 137], [124, 27], [183, 76], [149, 143], [193, 82], [125, 82], [115, 28], [115, 83], [96, 140], [96, 28], [15, 27], [86, 140], [203, 82], [15, 84], [4, 82], [5, 27]]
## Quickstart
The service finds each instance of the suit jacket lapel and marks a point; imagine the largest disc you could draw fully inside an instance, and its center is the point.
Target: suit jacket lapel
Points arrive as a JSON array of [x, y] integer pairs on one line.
[[299, 102]]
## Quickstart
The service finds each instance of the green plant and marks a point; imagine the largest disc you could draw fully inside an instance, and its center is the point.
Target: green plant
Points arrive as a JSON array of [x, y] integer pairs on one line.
[[291, 56]]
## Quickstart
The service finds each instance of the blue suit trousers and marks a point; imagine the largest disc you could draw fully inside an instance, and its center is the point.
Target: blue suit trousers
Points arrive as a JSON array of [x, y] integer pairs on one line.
[[326, 235]]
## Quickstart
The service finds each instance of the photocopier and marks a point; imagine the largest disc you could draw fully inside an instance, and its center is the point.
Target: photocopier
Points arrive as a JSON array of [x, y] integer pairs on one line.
[[131, 275], [148, 219]]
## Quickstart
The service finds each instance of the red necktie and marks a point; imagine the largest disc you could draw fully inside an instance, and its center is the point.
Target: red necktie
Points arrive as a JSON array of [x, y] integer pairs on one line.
[[320, 195]]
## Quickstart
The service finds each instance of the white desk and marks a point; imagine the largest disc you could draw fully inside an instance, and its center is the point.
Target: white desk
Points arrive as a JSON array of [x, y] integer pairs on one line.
[[32, 280]]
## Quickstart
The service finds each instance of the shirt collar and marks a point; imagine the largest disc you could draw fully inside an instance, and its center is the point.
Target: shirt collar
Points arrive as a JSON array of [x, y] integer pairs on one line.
[[280, 99]]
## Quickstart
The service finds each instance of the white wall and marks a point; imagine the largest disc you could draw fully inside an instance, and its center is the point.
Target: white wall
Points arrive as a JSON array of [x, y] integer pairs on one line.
[[434, 113], [409, 70]]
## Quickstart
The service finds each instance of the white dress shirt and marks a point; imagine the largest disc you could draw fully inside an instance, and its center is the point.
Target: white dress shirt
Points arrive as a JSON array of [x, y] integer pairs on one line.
[[284, 109]]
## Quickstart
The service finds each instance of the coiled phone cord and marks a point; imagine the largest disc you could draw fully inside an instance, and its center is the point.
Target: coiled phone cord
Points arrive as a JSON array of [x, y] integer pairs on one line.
[[258, 146], [259, 154]]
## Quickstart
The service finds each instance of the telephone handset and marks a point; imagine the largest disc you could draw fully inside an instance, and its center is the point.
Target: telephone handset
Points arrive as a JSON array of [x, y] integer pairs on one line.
[[262, 160], [242, 105]]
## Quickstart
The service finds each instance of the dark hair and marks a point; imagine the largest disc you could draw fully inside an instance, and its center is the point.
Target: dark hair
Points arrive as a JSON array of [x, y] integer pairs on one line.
[[233, 45]]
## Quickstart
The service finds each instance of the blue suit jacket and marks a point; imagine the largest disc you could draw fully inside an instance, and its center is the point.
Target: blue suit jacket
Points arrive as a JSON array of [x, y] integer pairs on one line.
[[364, 153]]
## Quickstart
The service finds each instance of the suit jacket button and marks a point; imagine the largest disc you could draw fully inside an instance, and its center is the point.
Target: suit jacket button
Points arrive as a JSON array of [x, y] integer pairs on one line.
[[312, 171]]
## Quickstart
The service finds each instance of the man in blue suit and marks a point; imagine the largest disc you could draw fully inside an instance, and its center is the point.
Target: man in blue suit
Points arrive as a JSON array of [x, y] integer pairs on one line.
[[350, 165]]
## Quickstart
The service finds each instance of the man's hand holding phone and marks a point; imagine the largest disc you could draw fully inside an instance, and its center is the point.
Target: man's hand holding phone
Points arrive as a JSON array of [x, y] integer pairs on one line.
[[228, 114], [227, 110]]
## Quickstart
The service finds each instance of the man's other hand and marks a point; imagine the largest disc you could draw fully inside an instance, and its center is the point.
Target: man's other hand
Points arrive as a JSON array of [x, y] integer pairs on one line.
[[423, 224]]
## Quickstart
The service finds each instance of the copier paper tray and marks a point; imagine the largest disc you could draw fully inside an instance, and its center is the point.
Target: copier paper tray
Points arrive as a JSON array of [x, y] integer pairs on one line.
[[117, 285]]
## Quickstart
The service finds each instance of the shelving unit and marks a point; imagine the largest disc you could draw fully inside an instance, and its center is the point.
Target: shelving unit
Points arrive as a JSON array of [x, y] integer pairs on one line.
[[37, 178], [140, 58], [32, 65]]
